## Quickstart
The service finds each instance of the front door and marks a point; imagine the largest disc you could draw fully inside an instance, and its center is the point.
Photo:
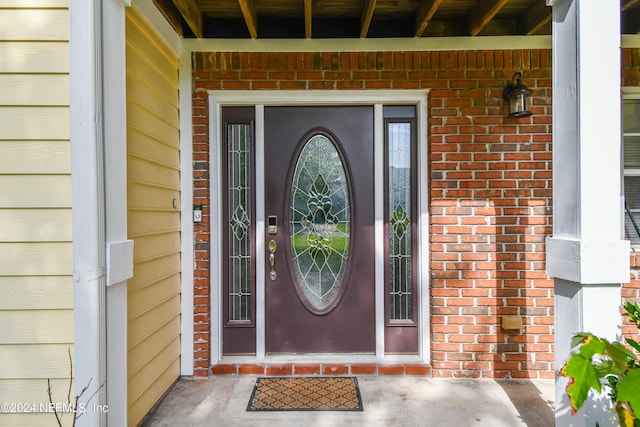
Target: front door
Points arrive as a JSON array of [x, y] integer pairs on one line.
[[319, 205]]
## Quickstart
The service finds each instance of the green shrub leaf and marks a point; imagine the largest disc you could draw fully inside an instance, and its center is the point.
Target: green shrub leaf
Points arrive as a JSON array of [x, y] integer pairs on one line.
[[608, 367], [593, 345], [625, 417], [579, 338], [621, 354], [582, 376], [633, 344], [629, 390]]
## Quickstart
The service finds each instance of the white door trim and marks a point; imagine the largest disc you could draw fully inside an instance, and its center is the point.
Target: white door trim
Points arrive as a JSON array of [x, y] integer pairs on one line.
[[260, 99]]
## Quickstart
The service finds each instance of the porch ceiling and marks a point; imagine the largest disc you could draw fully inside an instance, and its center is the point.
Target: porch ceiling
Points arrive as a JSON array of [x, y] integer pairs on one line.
[[367, 18]]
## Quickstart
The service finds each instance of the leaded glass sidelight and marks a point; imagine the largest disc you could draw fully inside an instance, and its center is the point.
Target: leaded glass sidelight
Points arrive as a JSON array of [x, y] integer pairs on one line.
[[239, 196], [320, 221], [399, 205]]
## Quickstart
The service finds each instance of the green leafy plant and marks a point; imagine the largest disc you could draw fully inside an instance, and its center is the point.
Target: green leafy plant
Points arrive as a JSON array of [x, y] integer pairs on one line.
[[613, 366]]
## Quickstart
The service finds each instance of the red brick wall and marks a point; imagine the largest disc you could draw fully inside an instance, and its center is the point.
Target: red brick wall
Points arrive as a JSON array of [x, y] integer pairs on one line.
[[490, 192], [490, 213]]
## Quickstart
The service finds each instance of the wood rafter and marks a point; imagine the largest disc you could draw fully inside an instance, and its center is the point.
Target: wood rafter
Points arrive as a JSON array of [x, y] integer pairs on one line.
[[367, 14], [307, 19], [191, 14], [308, 14], [629, 3], [534, 18], [171, 14], [250, 17], [483, 13], [426, 12]]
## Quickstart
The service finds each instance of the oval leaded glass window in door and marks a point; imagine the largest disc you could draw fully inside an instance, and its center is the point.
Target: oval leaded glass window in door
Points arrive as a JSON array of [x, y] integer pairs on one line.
[[320, 215]]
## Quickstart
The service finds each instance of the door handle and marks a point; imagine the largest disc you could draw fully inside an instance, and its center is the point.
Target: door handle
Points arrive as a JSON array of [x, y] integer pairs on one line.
[[272, 259]]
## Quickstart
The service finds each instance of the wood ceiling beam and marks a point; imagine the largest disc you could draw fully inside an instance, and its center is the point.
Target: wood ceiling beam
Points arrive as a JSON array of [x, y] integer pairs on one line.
[[483, 13], [536, 16], [367, 14], [250, 16], [191, 14], [626, 4], [308, 14], [426, 12], [171, 14]]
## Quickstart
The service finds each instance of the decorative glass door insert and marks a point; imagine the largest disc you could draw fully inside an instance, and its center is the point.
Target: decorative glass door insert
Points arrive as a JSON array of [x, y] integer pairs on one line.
[[319, 222]]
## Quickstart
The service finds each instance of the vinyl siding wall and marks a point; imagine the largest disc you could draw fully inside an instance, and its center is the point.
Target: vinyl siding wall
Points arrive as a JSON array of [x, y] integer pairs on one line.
[[36, 288], [153, 175]]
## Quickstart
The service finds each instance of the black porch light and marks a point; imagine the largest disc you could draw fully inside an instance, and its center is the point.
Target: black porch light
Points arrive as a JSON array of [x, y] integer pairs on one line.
[[516, 93]]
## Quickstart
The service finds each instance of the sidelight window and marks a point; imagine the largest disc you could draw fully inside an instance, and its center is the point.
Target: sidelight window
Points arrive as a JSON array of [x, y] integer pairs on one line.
[[631, 141], [239, 207], [400, 215]]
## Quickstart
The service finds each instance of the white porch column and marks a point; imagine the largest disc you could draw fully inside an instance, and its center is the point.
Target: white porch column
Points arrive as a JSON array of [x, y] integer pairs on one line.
[[88, 208], [102, 257], [586, 254], [119, 263]]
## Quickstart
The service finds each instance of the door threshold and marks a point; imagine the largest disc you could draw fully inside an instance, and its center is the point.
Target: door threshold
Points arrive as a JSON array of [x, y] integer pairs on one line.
[[352, 364]]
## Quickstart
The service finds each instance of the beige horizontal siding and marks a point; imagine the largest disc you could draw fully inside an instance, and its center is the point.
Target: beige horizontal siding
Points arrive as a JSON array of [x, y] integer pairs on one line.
[[158, 268], [29, 390], [34, 24], [153, 199], [144, 121], [30, 361], [35, 225], [34, 122], [36, 259], [34, 4], [35, 420], [142, 197], [36, 287], [139, 356], [141, 171], [34, 57], [41, 326], [164, 379], [35, 191], [34, 89], [36, 293], [148, 298], [35, 157], [144, 91], [144, 223]]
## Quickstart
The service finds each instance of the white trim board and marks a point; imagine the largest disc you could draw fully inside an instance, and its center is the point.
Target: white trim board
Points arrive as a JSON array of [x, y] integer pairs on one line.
[[368, 45], [261, 99], [186, 217], [381, 45]]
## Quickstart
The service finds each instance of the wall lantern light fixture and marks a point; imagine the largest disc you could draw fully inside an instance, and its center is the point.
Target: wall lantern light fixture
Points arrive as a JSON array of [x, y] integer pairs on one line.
[[516, 93]]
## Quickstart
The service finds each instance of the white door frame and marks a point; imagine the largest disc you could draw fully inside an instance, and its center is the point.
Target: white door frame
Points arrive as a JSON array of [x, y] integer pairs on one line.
[[260, 99]]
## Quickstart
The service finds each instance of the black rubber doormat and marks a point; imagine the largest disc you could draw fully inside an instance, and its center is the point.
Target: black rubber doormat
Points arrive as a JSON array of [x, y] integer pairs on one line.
[[306, 394]]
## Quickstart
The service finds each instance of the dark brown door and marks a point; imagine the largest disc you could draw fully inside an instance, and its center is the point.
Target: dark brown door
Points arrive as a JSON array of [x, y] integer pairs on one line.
[[319, 293]]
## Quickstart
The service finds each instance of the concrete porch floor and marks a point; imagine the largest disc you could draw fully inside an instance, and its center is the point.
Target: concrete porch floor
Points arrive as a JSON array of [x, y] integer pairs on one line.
[[387, 401]]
